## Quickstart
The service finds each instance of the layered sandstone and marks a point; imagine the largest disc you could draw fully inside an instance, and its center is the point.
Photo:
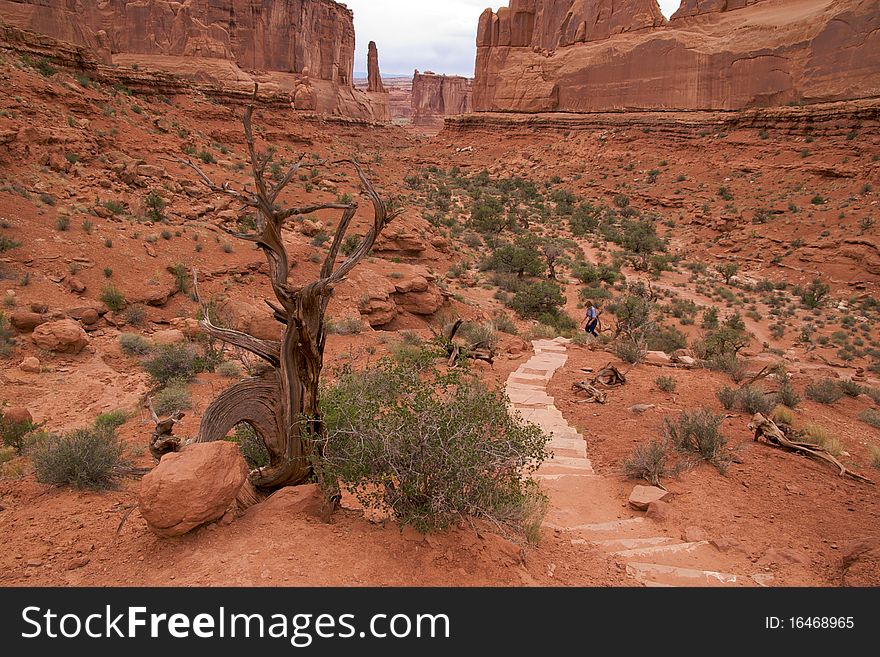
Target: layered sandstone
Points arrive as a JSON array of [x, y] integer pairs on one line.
[[306, 47], [593, 55], [437, 96]]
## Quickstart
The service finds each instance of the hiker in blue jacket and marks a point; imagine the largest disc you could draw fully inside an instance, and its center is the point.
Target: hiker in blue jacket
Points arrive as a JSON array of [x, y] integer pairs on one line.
[[592, 319]]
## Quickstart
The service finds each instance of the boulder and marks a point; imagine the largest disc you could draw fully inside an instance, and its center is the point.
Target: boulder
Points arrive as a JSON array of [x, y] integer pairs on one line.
[[17, 415], [659, 511], [642, 496], [658, 358], [87, 315], [75, 285], [65, 336], [168, 336], [860, 563], [25, 321], [242, 316], [31, 364], [190, 488]]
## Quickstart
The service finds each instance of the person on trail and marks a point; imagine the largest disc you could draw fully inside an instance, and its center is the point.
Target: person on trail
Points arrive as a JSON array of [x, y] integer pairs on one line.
[[592, 319]]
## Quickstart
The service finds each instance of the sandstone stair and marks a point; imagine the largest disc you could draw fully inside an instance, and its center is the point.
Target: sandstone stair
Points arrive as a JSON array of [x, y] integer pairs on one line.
[[580, 499]]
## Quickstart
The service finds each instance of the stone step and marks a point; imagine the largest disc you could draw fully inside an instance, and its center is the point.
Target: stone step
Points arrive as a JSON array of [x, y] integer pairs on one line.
[[658, 550], [561, 475], [634, 543], [600, 527], [654, 574]]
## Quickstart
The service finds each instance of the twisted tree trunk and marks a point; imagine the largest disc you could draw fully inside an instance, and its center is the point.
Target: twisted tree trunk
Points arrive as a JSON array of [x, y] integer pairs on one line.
[[283, 406]]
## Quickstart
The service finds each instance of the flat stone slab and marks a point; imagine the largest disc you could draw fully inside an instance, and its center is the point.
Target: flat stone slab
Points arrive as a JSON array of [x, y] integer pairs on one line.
[[661, 575], [642, 496]]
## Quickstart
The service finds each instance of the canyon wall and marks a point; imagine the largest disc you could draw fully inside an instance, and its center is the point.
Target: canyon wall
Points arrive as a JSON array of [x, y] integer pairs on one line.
[[436, 96], [312, 40], [600, 55]]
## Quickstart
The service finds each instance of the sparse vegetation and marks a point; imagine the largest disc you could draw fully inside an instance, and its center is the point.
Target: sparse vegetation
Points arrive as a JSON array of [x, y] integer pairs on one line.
[[173, 397], [824, 391], [173, 361], [699, 431], [83, 458], [650, 461], [113, 297], [133, 344]]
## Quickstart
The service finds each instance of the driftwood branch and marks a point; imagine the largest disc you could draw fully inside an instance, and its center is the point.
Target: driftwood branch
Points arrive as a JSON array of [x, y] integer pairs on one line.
[[764, 428], [608, 377]]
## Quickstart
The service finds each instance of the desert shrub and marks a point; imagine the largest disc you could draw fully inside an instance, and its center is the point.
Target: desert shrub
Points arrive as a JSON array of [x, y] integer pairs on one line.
[[787, 396], [84, 458], [816, 435], [16, 434], [7, 243], [539, 298], [112, 297], [730, 364], [824, 391], [850, 388], [752, 399], [111, 420], [478, 334], [431, 447], [6, 339], [135, 315], [783, 415], [173, 361], [228, 369], [504, 324], [522, 258], [727, 396], [874, 453], [173, 397], [345, 326], [870, 416], [665, 383], [699, 431], [252, 447], [667, 339], [649, 461], [133, 344], [814, 295], [630, 351], [155, 207]]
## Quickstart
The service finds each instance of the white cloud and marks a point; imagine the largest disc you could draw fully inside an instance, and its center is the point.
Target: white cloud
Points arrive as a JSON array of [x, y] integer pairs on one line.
[[439, 35]]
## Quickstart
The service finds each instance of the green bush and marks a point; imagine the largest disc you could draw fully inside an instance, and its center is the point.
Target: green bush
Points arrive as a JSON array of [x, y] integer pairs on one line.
[[787, 396], [699, 432], [539, 298], [84, 458], [173, 397], [850, 388], [667, 339], [754, 400], [431, 447], [229, 369], [649, 461], [252, 447], [133, 344], [825, 391], [665, 383], [16, 434], [630, 351], [112, 297], [111, 420], [727, 396], [173, 361]]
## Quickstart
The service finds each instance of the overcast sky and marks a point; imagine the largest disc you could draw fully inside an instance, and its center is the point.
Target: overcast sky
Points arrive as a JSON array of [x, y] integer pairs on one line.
[[436, 35]]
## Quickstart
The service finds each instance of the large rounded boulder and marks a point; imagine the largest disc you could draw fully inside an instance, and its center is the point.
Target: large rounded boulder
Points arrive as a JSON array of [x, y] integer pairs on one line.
[[65, 336], [192, 487]]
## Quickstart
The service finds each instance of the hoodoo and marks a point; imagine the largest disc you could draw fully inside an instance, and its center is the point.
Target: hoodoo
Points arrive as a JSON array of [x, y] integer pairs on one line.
[[595, 55]]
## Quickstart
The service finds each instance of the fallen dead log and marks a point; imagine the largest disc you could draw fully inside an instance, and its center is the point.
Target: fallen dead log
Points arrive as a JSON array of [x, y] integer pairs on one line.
[[163, 441], [478, 351], [766, 429], [608, 377]]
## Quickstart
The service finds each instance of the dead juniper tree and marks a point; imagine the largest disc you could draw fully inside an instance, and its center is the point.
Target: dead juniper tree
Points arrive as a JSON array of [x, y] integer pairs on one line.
[[282, 405]]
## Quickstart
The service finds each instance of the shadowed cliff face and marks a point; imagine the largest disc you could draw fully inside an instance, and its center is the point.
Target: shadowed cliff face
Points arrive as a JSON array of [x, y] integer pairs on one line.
[[313, 37], [592, 55]]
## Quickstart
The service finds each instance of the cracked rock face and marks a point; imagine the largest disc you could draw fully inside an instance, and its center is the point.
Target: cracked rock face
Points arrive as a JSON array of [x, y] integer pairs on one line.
[[591, 55]]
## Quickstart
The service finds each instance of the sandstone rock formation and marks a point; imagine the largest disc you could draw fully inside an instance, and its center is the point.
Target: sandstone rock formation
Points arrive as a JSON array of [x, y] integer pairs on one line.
[[308, 44], [374, 77], [192, 487], [65, 336], [593, 55], [435, 96]]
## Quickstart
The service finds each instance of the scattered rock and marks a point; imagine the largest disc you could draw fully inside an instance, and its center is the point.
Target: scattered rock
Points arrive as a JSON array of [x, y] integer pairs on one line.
[[31, 364], [75, 285], [781, 556], [642, 496], [694, 535], [659, 511], [192, 487], [65, 336], [78, 562], [638, 409], [727, 544]]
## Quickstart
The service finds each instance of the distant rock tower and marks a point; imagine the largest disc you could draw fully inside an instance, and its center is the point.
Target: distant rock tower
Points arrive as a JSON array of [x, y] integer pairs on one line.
[[374, 78]]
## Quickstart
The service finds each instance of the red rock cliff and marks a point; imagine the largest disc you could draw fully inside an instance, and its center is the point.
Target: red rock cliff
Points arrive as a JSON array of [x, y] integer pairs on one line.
[[594, 55], [311, 39], [439, 95]]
